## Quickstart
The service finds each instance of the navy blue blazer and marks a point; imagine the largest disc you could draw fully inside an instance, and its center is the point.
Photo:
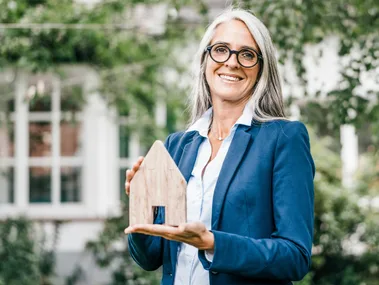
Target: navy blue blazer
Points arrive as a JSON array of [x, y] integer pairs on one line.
[[262, 215]]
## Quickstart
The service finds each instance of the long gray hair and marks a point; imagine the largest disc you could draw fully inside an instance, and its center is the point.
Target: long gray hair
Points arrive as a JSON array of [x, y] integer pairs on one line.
[[266, 100]]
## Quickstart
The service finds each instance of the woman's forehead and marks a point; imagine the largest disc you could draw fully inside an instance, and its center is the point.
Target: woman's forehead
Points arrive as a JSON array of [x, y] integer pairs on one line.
[[235, 33]]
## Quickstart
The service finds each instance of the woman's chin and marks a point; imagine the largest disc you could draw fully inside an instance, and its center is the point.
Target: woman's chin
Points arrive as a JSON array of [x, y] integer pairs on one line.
[[228, 97], [228, 94]]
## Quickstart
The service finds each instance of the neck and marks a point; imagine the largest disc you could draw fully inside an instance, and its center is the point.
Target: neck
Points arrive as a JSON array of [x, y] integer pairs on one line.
[[224, 117]]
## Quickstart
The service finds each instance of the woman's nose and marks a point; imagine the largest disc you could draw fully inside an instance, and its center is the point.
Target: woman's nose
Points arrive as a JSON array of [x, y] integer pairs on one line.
[[232, 62]]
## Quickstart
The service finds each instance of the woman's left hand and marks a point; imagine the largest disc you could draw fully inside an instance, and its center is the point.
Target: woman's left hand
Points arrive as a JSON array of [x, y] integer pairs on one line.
[[195, 234]]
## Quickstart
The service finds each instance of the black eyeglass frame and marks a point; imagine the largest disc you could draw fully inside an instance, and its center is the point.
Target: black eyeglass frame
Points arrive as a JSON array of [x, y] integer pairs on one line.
[[236, 52]]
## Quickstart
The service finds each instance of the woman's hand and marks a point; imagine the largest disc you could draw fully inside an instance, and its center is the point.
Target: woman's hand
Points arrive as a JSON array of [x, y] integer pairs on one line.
[[130, 174], [195, 234]]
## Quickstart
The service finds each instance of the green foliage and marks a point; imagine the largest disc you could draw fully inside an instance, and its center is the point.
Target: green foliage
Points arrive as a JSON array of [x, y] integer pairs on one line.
[[129, 61], [340, 223], [106, 254], [23, 259], [294, 24], [19, 263]]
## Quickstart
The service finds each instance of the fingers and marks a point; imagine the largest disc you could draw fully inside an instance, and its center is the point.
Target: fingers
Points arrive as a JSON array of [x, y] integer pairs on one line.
[[136, 166], [166, 231], [127, 187], [194, 234], [139, 162], [153, 229], [129, 174]]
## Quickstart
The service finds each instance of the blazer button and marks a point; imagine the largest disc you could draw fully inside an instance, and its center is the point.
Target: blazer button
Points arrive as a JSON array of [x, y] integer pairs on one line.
[[170, 274], [214, 272]]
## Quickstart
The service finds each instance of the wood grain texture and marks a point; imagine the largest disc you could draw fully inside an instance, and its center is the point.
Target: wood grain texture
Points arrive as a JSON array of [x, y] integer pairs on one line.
[[158, 182]]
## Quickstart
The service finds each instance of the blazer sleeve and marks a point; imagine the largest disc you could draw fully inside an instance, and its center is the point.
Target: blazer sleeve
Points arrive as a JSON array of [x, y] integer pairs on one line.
[[286, 255], [147, 251]]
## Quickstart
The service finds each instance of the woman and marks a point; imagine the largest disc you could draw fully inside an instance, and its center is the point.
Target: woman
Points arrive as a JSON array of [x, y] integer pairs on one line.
[[249, 172]]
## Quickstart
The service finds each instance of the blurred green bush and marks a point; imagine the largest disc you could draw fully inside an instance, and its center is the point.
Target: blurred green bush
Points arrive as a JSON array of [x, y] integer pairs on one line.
[[23, 254]]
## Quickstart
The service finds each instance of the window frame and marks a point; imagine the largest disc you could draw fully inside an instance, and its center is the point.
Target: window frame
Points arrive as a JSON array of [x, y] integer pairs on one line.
[[98, 155]]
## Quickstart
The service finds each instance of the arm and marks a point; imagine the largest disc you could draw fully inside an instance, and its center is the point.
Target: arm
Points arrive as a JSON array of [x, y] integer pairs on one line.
[[146, 250], [286, 255]]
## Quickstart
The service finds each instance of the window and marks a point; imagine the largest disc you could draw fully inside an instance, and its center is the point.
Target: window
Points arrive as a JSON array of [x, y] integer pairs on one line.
[[130, 144], [129, 150], [6, 160], [7, 146], [70, 184], [54, 144], [124, 162], [59, 154]]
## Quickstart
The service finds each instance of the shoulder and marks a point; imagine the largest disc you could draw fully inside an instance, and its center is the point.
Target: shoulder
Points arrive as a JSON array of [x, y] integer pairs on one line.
[[173, 138], [179, 139], [284, 129], [292, 140], [278, 135]]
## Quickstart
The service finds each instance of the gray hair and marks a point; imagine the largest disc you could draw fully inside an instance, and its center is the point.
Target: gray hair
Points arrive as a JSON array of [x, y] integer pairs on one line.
[[266, 100]]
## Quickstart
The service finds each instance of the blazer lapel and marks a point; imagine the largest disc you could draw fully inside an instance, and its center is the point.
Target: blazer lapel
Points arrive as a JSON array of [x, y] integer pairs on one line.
[[186, 164], [231, 163], [188, 157]]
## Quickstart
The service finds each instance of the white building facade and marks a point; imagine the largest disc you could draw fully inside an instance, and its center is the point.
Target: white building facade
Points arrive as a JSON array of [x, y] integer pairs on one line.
[[61, 162]]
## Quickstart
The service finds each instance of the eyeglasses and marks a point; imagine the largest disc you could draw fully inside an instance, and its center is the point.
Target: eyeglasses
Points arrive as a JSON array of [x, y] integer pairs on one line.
[[221, 53]]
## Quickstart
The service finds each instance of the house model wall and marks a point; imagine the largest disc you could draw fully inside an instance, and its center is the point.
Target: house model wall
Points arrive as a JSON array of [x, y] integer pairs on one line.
[[158, 182]]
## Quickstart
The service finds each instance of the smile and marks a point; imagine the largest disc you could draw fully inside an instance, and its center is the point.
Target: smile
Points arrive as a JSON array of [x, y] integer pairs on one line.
[[229, 78]]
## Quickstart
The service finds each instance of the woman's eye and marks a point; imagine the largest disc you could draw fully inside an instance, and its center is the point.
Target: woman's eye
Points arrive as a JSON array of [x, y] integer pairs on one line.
[[221, 50], [248, 55]]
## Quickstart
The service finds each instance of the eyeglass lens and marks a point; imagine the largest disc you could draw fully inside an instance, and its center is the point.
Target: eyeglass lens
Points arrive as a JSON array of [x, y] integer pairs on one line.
[[221, 53]]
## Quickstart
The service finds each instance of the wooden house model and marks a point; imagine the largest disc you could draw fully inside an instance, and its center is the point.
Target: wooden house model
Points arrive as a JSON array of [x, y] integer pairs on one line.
[[158, 182]]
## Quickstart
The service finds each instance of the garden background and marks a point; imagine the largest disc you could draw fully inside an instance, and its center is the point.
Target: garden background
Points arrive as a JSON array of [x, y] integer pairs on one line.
[[86, 86]]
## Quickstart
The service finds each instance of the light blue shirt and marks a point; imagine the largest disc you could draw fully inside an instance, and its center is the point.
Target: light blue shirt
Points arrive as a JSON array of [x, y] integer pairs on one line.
[[189, 270]]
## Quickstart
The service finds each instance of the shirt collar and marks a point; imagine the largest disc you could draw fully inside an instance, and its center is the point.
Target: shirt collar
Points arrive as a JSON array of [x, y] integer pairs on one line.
[[202, 124]]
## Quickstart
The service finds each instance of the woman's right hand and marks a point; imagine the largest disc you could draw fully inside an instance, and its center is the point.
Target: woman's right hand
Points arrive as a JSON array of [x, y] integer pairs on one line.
[[130, 174]]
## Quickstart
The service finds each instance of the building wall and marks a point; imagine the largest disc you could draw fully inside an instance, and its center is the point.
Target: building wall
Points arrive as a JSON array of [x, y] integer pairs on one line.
[[52, 142]]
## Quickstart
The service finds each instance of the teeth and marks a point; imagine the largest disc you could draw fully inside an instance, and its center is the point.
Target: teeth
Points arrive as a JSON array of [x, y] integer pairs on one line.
[[229, 78]]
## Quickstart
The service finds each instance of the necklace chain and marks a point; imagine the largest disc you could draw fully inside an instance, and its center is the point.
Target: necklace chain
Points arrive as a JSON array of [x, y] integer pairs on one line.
[[214, 134], [217, 137]]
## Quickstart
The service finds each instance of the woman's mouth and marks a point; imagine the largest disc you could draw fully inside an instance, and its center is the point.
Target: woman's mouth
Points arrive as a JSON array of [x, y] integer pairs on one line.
[[229, 78]]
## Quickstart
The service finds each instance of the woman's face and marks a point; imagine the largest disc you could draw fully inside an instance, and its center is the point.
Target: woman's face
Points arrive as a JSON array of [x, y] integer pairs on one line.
[[236, 36]]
